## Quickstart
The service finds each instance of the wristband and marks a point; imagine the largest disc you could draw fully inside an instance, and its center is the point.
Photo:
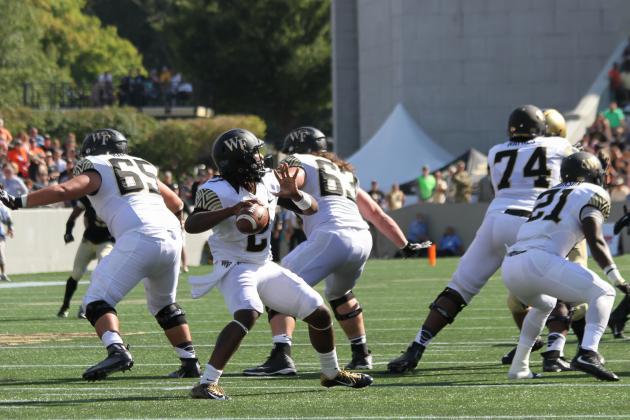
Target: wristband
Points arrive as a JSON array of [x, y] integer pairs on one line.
[[613, 274], [23, 200], [304, 203]]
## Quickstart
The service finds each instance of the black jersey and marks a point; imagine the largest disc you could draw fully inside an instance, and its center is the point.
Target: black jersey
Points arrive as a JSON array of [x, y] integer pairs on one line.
[[95, 229]]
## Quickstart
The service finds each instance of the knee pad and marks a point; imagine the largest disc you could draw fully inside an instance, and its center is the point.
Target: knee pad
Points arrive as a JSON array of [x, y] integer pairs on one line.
[[354, 312], [452, 296], [515, 305], [171, 316], [98, 308], [561, 313]]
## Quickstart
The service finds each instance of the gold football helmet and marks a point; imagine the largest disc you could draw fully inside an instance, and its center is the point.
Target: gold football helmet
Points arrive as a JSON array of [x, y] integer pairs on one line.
[[556, 125]]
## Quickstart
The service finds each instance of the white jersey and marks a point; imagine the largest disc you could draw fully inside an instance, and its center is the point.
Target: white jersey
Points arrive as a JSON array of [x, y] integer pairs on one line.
[[520, 171], [335, 191], [226, 241], [128, 198], [555, 225]]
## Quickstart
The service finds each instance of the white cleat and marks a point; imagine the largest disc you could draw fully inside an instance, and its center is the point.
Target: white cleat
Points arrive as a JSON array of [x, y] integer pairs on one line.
[[523, 374]]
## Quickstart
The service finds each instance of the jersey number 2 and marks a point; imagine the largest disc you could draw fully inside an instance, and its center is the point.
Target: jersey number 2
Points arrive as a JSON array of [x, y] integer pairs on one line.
[[554, 214], [134, 175], [536, 167]]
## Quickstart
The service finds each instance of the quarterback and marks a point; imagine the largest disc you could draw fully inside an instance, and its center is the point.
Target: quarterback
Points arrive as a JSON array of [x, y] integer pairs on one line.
[[140, 212], [244, 272], [521, 168], [337, 247]]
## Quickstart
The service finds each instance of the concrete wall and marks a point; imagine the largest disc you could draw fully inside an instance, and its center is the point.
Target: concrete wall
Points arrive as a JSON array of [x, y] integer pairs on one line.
[[38, 243], [460, 66]]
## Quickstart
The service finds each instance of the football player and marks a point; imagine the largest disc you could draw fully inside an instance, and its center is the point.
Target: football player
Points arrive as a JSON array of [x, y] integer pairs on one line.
[[521, 168], [97, 242], [142, 215], [337, 247], [244, 271], [564, 315], [536, 271]]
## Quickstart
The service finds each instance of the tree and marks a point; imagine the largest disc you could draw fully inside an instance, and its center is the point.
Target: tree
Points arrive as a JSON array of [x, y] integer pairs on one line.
[[265, 57]]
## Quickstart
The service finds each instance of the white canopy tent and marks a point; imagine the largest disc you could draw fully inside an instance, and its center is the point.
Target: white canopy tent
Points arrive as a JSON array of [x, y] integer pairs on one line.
[[397, 152]]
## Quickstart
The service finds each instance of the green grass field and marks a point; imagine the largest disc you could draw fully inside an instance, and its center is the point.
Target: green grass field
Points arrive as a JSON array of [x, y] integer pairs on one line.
[[42, 359]]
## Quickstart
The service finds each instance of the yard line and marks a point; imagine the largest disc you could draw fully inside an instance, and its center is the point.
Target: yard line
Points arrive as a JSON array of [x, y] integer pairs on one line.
[[21, 284]]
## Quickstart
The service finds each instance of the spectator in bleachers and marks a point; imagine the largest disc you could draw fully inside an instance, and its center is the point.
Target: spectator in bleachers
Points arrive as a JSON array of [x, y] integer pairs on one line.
[[615, 85], [615, 116], [395, 198], [12, 184], [441, 189], [5, 134], [18, 154], [426, 185], [33, 135], [450, 244], [58, 161], [418, 230], [463, 184], [619, 190], [376, 194]]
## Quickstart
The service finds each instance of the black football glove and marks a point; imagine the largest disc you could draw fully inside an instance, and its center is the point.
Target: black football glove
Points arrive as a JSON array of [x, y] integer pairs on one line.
[[10, 201], [624, 288], [67, 238], [623, 221], [412, 248]]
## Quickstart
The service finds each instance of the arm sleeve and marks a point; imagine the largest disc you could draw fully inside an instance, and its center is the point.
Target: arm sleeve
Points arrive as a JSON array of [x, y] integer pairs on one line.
[[600, 203], [207, 199], [83, 166], [592, 212], [293, 162]]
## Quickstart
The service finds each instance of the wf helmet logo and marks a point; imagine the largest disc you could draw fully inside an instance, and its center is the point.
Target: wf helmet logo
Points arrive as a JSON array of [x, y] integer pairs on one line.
[[102, 136], [236, 143], [299, 135]]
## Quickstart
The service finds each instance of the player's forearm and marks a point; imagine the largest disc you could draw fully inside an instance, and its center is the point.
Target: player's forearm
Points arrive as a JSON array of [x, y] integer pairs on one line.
[[202, 220], [50, 195], [307, 199], [596, 242], [388, 227]]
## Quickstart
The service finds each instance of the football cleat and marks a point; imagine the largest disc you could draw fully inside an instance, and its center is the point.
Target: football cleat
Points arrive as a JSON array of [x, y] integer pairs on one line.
[[553, 362], [81, 313], [63, 312], [4, 277], [590, 362], [408, 360], [208, 392], [524, 374], [190, 368], [278, 363], [360, 361], [509, 356], [347, 378], [118, 360]]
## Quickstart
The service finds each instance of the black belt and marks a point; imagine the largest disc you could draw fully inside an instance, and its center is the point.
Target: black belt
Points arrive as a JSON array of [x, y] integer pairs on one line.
[[518, 212], [513, 253]]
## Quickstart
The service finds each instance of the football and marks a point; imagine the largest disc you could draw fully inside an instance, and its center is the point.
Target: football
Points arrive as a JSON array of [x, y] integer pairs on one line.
[[252, 219]]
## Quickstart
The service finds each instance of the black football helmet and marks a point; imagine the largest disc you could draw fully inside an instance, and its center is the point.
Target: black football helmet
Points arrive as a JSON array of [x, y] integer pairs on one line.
[[526, 122], [304, 140], [237, 155], [104, 141], [583, 167]]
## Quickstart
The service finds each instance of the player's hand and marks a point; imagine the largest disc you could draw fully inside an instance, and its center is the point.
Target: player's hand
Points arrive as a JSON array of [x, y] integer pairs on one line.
[[10, 201], [412, 248], [67, 238], [623, 221], [288, 183], [245, 203], [624, 288]]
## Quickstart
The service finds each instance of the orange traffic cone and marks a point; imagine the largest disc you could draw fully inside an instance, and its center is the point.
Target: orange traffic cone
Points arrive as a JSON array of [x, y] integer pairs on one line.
[[432, 253]]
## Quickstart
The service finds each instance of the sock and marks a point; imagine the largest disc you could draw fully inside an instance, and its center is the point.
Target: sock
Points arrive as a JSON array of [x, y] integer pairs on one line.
[[592, 334], [329, 363], [210, 375], [359, 345], [555, 342], [520, 363], [424, 336], [185, 350], [111, 337], [597, 320], [282, 338], [71, 286]]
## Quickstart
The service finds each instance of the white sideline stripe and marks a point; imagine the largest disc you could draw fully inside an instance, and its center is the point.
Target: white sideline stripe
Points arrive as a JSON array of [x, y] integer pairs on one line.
[[20, 284]]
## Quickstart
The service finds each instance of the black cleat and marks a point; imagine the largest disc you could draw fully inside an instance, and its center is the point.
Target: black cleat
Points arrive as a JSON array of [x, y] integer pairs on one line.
[[190, 368], [347, 378], [553, 362], [360, 361], [208, 392], [63, 312], [408, 360], [278, 363], [589, 361], [118, 360], [509, 356]]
